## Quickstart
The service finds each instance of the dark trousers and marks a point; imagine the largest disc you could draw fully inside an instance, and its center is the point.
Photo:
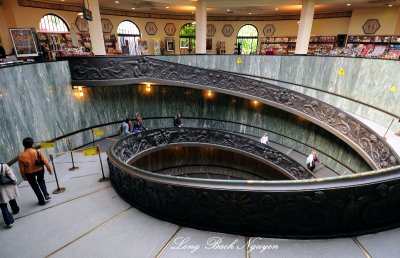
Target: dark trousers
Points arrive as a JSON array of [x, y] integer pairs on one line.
[[8, 218], [36, 180]]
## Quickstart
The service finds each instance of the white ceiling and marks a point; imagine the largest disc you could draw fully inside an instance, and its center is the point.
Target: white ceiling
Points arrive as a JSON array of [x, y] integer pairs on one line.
[[236, 7]]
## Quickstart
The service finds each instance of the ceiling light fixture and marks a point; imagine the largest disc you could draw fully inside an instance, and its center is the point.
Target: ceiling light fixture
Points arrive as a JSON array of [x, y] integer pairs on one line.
[[133, 8], [390, 5], [348, 4], [167, 7], [249, 13], [276, 9], [117, 2]]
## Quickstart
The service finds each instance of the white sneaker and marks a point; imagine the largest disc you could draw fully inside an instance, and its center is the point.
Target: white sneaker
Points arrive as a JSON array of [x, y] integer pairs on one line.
[[9, 226]]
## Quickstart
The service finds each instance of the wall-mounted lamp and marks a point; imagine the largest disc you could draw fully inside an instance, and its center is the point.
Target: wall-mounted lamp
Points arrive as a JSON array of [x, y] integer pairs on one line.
[[255, 104], [209, 94], [78, 91], [148, 88]]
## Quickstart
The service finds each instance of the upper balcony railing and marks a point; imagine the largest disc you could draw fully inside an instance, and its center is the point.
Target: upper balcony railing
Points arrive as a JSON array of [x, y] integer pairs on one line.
[[127, 70]]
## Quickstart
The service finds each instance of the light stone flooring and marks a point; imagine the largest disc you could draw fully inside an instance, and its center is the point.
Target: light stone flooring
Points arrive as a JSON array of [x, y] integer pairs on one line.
[[90, 220]]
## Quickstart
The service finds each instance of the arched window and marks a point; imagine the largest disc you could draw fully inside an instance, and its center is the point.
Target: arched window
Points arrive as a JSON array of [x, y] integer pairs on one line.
[[187, 37], [128, 35], [248, 39], [52, 23]]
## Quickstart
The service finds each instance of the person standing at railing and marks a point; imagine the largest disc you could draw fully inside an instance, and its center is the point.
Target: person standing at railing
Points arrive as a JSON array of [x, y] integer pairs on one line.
[[177, 120], [125, 130], [138, 125], [265, 139], [31, 166], [8, 194]]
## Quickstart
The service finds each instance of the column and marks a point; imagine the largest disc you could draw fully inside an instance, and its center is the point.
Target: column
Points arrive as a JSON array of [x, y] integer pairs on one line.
[[201, 26], [305, 26], [95, 28]]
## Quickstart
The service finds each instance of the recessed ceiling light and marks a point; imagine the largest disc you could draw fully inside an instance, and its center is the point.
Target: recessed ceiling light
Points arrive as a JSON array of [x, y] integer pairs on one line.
[[167, 7], [117, 2], [228, 10], [249, 13], [348, 4], [276, 9], [133, 8], [192, 12], [390, 5], [62, 0], [298, 22]]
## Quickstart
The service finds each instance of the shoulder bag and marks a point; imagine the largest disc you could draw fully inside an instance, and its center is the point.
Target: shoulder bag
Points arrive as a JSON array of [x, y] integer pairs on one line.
[[39, 162], [5, 179]]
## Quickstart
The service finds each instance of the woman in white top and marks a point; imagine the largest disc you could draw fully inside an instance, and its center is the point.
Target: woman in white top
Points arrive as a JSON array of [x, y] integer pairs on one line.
[[8, 194], [311, 159], [265, 139]]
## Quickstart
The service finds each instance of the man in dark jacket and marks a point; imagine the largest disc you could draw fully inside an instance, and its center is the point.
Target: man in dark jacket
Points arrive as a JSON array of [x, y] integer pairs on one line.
[[177, 120]]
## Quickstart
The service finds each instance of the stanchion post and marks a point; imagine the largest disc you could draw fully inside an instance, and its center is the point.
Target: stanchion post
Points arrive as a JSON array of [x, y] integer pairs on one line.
[[384, 136], [92, 137], [58, 190], [104, 178], [72, 156]]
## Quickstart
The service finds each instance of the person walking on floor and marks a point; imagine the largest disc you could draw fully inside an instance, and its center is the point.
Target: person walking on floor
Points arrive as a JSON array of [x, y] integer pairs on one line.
[[311, 159], [31, 166], [8, 194]]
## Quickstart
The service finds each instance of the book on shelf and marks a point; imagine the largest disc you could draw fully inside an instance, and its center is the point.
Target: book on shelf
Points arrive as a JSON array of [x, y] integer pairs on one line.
[[377, 51], [366, 50], [393, 54]]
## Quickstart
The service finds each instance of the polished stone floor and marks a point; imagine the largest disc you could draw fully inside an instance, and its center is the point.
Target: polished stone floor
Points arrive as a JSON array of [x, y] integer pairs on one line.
[[90, 220]]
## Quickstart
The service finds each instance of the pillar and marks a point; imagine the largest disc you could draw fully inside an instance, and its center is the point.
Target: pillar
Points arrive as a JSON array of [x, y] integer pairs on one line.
[[201, 26], [8, 9], [305, 26], [95, 28]]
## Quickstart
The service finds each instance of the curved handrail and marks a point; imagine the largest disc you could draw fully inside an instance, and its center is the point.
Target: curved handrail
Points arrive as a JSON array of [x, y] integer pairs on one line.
[[130, 70], [316, 208], [15, 159], [324, 91], [134, 146], [312, 88]]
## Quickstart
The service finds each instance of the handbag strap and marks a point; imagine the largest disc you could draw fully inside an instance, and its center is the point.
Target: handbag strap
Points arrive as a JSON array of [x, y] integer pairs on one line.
[[38, 155]]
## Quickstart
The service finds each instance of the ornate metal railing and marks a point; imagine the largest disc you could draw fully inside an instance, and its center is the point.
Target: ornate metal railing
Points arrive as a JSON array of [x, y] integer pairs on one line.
[[319, 208], [92, 71], [130, 148]]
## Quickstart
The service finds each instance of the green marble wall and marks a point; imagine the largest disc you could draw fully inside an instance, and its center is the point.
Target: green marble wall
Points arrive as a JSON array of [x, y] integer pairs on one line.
[[37, 100], [366, 80]]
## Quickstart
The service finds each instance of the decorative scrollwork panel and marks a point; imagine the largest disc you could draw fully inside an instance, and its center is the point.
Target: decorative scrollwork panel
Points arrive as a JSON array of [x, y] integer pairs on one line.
[[369, 144]]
